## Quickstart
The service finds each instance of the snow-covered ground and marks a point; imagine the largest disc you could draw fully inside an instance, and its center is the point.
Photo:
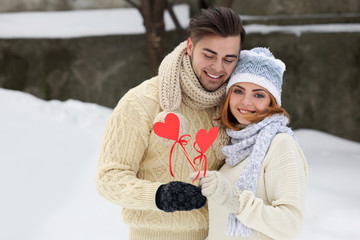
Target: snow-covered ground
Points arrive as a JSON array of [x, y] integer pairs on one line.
[[49, 152]]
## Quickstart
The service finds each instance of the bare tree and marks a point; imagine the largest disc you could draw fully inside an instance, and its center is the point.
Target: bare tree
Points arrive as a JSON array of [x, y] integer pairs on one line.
[[226, 3], [152, 12]]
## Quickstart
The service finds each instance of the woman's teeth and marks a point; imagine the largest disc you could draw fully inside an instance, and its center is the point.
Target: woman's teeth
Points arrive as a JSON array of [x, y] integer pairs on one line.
[[244, 111]]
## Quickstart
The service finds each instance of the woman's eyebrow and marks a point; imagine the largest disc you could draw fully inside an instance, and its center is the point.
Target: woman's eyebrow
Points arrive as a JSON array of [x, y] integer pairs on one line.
[[256, 90], [239, 87]]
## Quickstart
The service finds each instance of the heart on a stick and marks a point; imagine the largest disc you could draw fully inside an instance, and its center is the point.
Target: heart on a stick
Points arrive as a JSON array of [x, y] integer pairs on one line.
[[168, 129], [204, 139]]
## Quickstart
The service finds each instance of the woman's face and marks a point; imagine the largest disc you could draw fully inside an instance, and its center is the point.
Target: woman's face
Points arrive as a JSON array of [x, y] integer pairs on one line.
[[247, 99]]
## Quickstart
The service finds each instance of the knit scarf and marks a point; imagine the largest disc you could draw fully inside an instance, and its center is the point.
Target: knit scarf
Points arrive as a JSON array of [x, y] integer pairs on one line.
[[178, 83], [253, 142]]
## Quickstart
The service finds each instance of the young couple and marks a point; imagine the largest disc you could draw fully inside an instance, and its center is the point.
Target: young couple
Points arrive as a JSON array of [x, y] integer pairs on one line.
[[257, 174]]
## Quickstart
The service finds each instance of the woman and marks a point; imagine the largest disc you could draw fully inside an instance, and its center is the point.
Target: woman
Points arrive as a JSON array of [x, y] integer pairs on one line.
[[260, 191]]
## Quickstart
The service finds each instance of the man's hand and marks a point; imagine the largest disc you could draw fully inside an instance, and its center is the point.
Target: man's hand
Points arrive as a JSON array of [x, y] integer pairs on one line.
[[179, 196]]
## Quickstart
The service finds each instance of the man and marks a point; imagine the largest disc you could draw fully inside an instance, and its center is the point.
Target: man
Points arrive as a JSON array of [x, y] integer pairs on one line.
[[133, 169]]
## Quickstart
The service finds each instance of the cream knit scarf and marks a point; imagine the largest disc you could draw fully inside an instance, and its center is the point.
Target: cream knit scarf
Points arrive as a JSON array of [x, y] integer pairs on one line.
[[253, 142], [178, 83]]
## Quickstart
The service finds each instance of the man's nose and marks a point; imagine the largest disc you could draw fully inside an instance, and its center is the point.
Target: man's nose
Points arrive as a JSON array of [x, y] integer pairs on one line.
[[218, 66]]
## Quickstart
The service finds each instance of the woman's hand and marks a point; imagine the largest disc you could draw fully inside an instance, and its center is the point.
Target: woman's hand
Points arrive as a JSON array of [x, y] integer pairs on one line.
[[218, 189]]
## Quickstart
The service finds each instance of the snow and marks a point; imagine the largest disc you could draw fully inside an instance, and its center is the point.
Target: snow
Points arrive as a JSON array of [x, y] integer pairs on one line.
[[49, 152], [102, 22], [300, 29], [82, 23]]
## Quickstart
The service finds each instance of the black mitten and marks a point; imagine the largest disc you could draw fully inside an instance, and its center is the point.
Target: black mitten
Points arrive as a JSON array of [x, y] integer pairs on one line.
[[179, 196]]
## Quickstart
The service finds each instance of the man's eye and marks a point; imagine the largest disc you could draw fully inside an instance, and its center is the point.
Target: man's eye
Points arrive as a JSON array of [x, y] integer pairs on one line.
[[208, 56], [228, 61]]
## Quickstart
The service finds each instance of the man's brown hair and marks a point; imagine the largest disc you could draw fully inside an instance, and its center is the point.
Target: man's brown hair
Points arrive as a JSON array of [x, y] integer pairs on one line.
[[215, 20]]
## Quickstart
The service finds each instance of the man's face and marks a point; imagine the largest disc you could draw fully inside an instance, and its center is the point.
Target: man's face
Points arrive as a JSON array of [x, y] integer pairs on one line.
[[213, 59]]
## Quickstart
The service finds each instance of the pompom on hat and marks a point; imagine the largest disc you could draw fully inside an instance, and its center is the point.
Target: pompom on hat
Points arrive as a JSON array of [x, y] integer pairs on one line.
[[259, 66]]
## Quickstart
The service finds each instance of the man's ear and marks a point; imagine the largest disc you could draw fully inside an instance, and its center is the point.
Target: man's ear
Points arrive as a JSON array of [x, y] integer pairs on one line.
[[189, 46]]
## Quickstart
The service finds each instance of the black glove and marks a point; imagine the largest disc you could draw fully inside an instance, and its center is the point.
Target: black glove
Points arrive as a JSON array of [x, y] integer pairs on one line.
[[179, 196]]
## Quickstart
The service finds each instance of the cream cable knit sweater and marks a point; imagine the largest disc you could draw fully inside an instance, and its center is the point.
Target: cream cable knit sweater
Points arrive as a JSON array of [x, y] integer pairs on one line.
[[134, 162], [276, 212]]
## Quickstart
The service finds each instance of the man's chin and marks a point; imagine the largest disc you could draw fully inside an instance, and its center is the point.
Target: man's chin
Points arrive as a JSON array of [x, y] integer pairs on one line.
[[213, 88]]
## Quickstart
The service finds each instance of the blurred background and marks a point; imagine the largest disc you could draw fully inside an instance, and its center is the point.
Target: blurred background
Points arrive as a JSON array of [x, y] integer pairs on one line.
[[318, 40]]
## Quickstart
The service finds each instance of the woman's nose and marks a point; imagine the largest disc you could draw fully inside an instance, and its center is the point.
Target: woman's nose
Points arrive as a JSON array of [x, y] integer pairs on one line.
[[246, 101]]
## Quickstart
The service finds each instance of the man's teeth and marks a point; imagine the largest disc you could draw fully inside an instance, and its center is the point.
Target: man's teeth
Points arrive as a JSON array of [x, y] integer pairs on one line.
[[213, 76]]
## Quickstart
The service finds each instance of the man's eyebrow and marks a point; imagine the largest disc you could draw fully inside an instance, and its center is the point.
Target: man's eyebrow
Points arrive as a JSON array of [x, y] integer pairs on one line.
[[231, 56], [209, 50], [213, 52]]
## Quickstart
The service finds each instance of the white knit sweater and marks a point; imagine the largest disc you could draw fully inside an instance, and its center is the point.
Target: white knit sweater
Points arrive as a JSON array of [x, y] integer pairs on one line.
[[134, 162], [276, 212]]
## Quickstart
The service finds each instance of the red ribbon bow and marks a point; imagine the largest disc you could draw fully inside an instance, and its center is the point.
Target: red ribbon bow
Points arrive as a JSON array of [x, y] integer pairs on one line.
[[170, 130], [182, 142]]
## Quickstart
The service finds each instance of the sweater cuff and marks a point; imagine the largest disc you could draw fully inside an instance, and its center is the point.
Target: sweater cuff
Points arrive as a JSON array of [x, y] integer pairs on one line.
[[149, 196], [226, 194]]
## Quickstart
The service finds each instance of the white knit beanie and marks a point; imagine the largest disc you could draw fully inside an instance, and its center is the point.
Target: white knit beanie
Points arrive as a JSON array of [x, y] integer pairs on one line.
[[259, 66]]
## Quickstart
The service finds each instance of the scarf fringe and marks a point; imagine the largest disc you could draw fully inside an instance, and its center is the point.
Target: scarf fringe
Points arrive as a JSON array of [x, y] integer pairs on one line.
[[237, 228]]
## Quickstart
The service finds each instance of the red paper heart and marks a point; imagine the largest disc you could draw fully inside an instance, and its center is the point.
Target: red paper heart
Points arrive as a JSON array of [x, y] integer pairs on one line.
[[168, 129], [205, 139]]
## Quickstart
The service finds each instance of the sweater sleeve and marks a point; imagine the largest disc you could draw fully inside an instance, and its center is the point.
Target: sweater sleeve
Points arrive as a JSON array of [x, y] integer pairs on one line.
[[285, 177], [124, 143]]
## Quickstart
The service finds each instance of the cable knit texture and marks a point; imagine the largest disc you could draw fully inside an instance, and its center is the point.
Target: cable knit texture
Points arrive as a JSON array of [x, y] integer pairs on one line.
[[134, 162], [275, 210]]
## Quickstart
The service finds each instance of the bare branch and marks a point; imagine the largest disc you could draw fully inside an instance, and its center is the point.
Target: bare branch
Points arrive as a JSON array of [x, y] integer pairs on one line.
[[133, 4], [179, 29]]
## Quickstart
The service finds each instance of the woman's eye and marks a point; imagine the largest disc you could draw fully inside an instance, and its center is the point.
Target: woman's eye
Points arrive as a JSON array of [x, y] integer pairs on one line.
[[237, 91], [259, 96]]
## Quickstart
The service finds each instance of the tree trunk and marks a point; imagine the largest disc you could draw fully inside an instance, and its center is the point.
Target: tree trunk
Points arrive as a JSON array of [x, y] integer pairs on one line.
[[153, 15], [226, 3]]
